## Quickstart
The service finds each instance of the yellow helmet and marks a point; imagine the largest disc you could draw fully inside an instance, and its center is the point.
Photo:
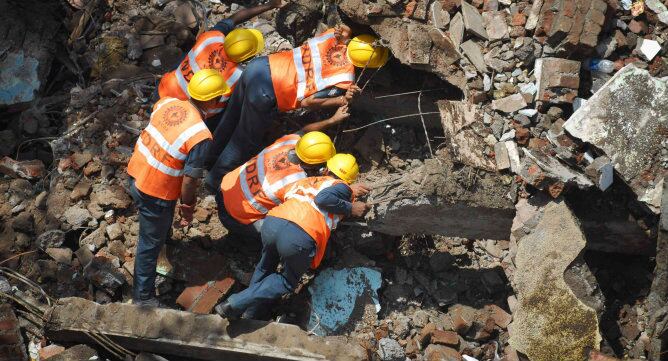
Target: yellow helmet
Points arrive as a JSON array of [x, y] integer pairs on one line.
[[344, 166], [241, 44], [361, 51], [207, 84], [315, 148]]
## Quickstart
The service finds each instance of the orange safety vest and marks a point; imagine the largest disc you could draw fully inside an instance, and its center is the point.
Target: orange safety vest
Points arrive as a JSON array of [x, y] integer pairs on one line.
[[300, 208], [318, 64], [161, 150], [207, 53], [257, 186]]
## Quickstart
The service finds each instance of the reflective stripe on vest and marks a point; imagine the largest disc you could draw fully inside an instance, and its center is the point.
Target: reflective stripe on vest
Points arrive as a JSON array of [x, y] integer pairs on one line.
[[316, 58], [158, 162]]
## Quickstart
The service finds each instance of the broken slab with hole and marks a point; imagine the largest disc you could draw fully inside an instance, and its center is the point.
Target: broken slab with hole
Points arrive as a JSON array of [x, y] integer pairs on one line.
[[442, 198], [627, 120], [551, 321], [185, 334]]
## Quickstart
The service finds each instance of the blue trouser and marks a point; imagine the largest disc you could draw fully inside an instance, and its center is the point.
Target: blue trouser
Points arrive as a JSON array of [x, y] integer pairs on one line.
[[155, 222], [282, 241], [240, 132], [234, 226]]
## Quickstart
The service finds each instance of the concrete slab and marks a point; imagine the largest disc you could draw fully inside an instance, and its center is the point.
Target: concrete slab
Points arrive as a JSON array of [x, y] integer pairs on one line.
[[466, 132], [185, 334], [550, 321], [627, 120]]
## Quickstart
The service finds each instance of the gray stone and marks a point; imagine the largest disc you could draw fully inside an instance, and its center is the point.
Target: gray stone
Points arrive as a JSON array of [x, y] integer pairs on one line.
[[419, 44], [50, 239], [501, 156], [473, 21], [534, 15], [390, 350], [457, 29], [114, 231], [557, 79], [623, 120], [545, 300], [509, 104], [495, 24], [96, 239], [77, 217], [473, 52]]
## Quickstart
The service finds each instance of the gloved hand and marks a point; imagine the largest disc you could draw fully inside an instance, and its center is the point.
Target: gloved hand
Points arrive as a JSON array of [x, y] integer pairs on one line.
[[186, 212]]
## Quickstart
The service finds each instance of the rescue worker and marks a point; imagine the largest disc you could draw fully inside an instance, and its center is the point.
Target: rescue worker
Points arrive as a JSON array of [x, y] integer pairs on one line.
[[296, 232], [319, 74], [222, 48], [167, 162], [247, 193]]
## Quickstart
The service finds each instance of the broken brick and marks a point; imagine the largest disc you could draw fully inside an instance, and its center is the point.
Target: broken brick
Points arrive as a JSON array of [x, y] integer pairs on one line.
[[202, 299], [447, 338]]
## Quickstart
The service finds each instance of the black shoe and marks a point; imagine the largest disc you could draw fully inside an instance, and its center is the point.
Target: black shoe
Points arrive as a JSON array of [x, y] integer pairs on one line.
[[224, 309]]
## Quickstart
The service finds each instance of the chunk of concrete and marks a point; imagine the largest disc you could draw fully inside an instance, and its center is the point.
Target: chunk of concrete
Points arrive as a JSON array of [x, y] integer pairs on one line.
[[626, 119], [473, 21], [501, 156], [601, 172], [439, 198], [510, 104], [473, 52], [419, 44], [466, 132], [439, 16], [188, 335], [495, 24], [550, 321], [457, 29], [547, 173]]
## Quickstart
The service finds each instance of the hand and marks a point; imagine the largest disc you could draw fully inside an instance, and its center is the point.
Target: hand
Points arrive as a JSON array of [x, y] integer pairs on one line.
[[340, 115], [359, 190], [276, 4], [342, 33], [351, 92], [359, 208], [186, 212]]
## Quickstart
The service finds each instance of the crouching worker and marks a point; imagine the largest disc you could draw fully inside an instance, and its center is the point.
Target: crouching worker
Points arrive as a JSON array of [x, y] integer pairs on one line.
[[250, 191], [167, 163], [296, 233]]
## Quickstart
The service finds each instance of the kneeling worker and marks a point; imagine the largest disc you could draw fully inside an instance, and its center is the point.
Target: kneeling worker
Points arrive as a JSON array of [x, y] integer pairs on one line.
[[296, 233], [222, 48], [167, 162], [247, 193]]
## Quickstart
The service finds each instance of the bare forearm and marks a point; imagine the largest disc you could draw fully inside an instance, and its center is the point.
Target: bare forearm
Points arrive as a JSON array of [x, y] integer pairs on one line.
[[245, 14], [319, 126], [189, 190]]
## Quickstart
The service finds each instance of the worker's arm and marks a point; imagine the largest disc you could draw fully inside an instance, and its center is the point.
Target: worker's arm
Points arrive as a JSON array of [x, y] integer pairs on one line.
[[193, 170], [245, 14], [336, 199], [340, 115], [330, 97]]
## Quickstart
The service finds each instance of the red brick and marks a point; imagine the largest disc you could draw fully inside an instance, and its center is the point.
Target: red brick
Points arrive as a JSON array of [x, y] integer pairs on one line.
[[637, 27], [441, 353], [519, 19], [447, 338], [202, 299], [500, 316], [425, 335]]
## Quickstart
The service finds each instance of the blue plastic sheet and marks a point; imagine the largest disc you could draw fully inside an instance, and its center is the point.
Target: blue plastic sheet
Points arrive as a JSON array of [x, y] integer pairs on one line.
[[18, 79], [337, 295]]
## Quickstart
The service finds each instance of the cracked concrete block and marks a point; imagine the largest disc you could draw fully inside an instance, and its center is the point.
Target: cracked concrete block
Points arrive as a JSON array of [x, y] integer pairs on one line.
[[419, 44], [188, 335], [457, 29], [466, 133], [626, 119], [547, 173], [439, 198], [550, 321]]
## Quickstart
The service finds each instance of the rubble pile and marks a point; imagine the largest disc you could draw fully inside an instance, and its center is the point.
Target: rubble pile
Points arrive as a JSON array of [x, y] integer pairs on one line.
[[525, 229]]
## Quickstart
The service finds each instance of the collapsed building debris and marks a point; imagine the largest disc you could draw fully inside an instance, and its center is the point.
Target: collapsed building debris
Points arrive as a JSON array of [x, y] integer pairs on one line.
[[635, 150], [185, 334]]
